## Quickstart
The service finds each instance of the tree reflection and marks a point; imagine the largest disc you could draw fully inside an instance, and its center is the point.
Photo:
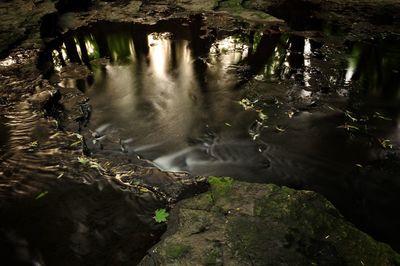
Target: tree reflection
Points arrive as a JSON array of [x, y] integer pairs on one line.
[[376, 67]]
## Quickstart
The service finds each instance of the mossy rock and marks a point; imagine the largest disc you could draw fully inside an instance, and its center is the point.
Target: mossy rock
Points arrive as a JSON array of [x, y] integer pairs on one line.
[[238, 8], [238, 223]]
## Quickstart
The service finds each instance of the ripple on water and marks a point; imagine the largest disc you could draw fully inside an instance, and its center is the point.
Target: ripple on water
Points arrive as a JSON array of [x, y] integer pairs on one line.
[[4, 137]]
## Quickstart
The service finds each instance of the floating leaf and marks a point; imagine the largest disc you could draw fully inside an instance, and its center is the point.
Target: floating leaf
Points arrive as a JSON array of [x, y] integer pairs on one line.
[[144, 190], [33, 144], [261, 115], [351, 116], [95, 165], [79, 136], [348, 127], [246, 103], [83, 160], [160, 215], [76, 143], [280, 129], [277, 102], [41, 195], [380, 116], [386, 144]]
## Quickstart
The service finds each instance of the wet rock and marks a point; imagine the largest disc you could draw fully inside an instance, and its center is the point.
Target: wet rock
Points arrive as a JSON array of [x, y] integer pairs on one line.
[[70, 5], [45, 96], [19, 19], [239, 223], [193, 5], [237, 9], [354, 16]]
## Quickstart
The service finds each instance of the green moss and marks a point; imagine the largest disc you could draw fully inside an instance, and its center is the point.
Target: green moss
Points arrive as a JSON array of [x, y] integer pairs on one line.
[[213, 257], [176, 251], [200, 202], [239, 9], [220, 182], [230, 4], [220, 186], [258, 210]]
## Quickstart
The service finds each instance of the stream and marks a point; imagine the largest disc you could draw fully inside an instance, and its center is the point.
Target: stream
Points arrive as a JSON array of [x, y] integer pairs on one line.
[[169, 102], [294, 109]]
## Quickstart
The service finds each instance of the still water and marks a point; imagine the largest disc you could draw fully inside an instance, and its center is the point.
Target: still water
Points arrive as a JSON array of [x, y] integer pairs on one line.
[[257, 106], [3, 137]]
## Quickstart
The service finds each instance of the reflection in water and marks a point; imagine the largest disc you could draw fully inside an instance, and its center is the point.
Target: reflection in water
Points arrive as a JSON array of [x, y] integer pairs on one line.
[[255, 106], [155, 79], [228, 51], [159, 54], [376, 66], [307, 62], [91, 47], [158, 87]]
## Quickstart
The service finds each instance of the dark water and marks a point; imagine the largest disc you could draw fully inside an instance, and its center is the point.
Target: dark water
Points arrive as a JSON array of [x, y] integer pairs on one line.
[[77, 224], [261, 107], [3, 137], [58, 214]]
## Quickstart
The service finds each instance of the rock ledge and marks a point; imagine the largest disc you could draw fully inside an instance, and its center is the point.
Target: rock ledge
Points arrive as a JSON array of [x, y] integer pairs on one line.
[[238, 223]]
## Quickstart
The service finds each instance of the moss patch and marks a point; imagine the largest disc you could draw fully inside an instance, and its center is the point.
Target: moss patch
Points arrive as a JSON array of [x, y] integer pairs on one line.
[[213, 257], [238, 9], [239, 223], [220, 183], [176, 251], [200, 202]]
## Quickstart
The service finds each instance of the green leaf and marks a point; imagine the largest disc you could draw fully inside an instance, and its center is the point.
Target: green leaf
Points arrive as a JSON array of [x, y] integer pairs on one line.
[[41, 195], [33, 144], [83, 160], [160, 215], [246, 103]]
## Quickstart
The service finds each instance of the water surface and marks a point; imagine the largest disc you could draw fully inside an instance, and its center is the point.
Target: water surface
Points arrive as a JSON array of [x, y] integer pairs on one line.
[[258, 106], [4, 136]]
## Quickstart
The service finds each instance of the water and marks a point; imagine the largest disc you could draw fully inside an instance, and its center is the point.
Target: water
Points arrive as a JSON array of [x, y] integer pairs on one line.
[[294, 110], [3, 137]]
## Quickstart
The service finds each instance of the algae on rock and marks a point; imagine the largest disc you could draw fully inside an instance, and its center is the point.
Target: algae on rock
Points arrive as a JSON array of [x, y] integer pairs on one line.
[[238, 223]]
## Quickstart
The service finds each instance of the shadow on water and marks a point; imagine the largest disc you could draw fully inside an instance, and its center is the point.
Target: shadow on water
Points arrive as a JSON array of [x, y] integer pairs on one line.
[[257, 106], [4, 135], [77, 224]]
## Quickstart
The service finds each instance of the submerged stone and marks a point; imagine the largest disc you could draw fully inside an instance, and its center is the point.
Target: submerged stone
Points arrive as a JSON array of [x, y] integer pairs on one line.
[[239, 223]]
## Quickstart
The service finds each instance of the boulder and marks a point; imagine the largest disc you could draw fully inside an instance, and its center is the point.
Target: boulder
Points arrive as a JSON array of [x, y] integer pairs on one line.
[[238, 223]]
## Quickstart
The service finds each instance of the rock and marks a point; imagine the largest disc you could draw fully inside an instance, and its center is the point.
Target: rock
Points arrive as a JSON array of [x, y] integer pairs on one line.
[[239, 223], [353, 15], [17, 24], [236, 8], [192, 5]]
